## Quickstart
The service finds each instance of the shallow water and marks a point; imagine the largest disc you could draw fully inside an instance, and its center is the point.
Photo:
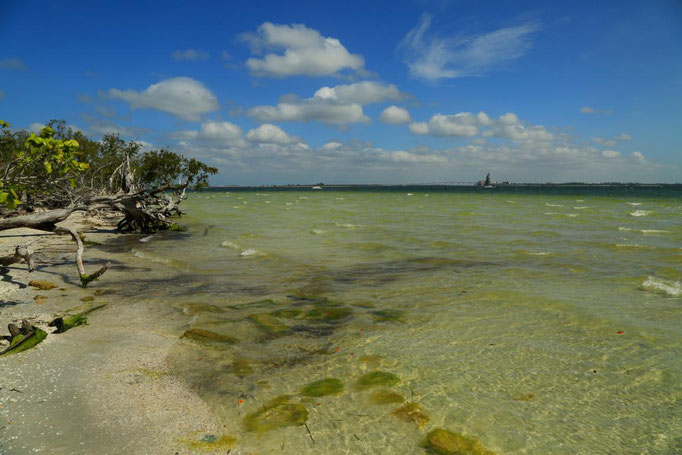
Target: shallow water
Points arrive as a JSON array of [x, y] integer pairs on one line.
[[537, 322]]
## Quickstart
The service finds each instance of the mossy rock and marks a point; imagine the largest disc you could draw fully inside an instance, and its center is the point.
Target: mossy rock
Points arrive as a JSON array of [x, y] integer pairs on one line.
[[328, 314], [323, 387], [389, 315], [278, 413], [413, 413], [444, 442], [211, 442], [377, 379], [269, 324], [386, 397], [287, 313], [40, 298], [267, 303], [42, 285], [205, 336], [24, 342], [69, 322], [241, 367], [194, 308], [87, 298]]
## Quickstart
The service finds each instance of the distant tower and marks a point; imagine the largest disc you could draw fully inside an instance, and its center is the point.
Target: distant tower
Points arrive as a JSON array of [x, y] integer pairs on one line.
[[487, 179]]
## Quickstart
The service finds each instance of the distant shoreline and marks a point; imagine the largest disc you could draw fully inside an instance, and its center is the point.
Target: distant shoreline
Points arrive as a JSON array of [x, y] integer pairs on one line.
[[455, 185]]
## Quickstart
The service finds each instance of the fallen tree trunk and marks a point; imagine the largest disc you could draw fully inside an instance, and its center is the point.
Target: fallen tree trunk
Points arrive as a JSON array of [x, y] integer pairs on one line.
[[20, 253]]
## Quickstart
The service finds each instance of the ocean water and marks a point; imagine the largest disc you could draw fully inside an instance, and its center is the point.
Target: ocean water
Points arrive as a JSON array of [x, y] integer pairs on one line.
[[534, 321]]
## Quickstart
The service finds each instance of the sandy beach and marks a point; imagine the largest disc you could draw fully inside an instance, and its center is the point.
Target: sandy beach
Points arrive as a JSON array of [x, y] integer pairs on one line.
[[101, 388]]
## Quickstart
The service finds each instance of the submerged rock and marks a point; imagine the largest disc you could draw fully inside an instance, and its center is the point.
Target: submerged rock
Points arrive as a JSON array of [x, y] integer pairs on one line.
[[267, 303], [40, 298], [88, 298], [389, 315], [276, 414], [444, 442], [376, 379], [241, 367], [412, 412], [23, 339], [269, 324], [68, 322], [323, 387], [194, 308], [208, 336], [328, 314], [386, 397], [42, 285]]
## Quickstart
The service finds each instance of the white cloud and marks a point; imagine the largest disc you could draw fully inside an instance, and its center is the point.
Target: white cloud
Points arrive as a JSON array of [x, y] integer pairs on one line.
[[611, 142], [220, 131], [431, 58], [331, 145], [394, 115], [637, 157], [13, 64], [268, 133], [190, 54], [35, 127], [509, 126], [592, 111], [183, 97], [305, 52], [623, 137], [464, 124], [338, 105], [610, 154]]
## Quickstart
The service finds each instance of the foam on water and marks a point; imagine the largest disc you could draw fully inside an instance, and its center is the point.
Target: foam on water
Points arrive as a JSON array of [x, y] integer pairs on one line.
[[250, 252], [667, 287], [230, 244], [634, 204], [317, 231], [553, 205], [638, 213]]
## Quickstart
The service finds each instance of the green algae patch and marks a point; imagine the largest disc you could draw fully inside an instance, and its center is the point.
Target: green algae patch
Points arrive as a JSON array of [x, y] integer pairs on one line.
[[206, 336], [278, 413], [386, 397], [269, 324], [389, 315], [412, 413], [241, 367], [69, 322], [153, 374], [267, 303], [323, 387], [210, 442], [194, 308], [42, 285], [88, 298], [444, 442], [376, 379], [371, 359], [24, 341], [525, 397]]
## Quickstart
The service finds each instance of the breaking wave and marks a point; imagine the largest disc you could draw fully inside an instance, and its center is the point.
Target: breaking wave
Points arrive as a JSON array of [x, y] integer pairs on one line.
[[659, 285]]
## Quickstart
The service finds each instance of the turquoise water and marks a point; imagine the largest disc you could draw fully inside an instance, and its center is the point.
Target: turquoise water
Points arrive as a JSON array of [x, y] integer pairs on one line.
[[534, 321]]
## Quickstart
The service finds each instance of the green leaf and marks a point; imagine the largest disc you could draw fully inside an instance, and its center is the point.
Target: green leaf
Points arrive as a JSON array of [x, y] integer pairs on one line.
[[72, 182], [46, 132], [48, 167], [71, 143], [4, 124], [3, 196]]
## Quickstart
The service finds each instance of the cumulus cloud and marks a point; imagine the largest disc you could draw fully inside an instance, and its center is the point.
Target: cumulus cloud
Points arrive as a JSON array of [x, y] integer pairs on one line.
[[13, 64], [394, 115], [338, 105], [183, 97], [610, 153], [611, 142], [268, 133], [213, 132], [304, 52], [430, 57], [592, 111], [190, 54]]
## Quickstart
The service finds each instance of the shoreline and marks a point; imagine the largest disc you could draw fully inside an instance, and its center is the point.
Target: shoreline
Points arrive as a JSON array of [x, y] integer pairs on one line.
[[110, 377]]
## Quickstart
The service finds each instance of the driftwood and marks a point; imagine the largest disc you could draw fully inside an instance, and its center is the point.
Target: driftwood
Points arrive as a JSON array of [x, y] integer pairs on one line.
[[22, 338], [68, 322], [20, 253]]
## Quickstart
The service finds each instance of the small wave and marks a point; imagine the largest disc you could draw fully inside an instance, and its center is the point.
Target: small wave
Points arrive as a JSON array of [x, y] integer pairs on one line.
[[654, 231], [539, 253], [348, 225], [571, 215], [624, 229], [317, 231], [267, 202], [340, 198], [237, 207], [553, 205], [629, 245], [581, 207], [287, 203], [147, 239], [640, 213], [159, 260], [580, 200], [410, 194], [634, 204], [512, 202], [229, 244], [249, 253], [302, 197], [552, 213], [670, 288]]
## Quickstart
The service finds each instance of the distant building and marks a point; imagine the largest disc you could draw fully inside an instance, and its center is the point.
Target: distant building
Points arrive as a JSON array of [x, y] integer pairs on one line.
[[486, 183]]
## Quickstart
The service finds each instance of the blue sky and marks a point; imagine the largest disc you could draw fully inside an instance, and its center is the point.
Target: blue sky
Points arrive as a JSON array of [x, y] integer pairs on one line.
[[362, 92]]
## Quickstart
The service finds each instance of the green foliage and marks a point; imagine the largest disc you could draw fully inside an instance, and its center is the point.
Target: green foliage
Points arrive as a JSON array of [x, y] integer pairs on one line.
[[163, 167]]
